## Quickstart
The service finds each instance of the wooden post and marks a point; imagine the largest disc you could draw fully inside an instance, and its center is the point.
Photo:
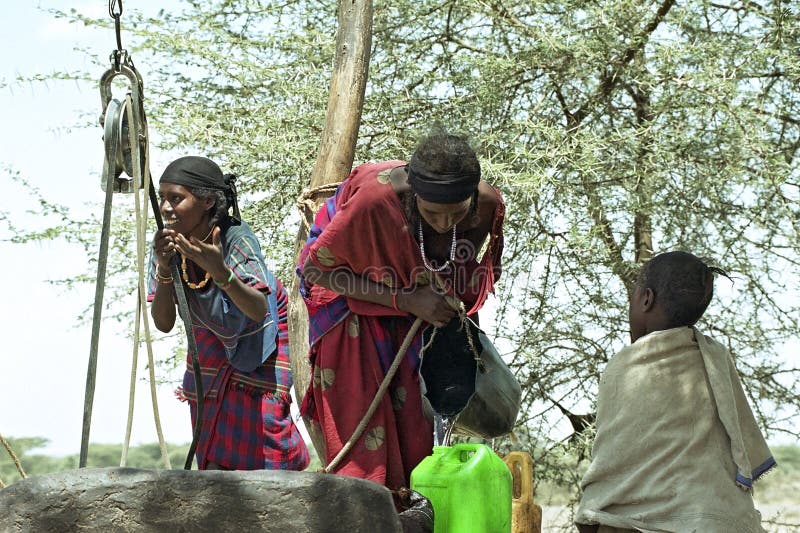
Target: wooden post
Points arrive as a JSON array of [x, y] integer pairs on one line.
[[334, 161]]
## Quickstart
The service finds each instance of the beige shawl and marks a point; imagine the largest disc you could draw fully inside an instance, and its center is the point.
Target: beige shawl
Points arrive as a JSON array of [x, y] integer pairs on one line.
[[677, 446]]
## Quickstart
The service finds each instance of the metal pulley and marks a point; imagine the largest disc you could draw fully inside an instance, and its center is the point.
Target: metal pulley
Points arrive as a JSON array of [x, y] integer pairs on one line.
[[119, 135]]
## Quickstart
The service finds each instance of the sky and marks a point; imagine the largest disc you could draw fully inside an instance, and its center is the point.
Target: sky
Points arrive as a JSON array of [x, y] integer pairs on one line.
[[45, 352]]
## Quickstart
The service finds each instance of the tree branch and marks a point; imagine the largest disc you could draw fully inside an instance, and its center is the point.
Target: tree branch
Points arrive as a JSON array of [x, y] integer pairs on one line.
[[611, 77]]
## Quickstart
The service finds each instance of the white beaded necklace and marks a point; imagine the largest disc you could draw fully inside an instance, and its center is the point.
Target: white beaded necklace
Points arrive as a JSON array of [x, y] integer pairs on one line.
[[425, 258]]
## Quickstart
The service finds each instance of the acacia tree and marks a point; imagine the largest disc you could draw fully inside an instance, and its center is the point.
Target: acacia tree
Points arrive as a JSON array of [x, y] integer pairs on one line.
[[614, 129]]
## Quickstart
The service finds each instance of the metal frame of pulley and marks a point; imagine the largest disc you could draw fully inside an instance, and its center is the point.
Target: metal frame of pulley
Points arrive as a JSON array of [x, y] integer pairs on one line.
[[117, 131]]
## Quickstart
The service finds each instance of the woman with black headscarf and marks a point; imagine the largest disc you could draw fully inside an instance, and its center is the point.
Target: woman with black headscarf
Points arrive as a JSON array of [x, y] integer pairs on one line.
[[239, 317], [396, 242]]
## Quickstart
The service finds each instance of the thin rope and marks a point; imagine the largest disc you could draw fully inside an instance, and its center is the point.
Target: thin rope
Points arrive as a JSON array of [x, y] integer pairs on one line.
[[137, 122], [14, 458], [141, 179], [462, 315], [133, 145], [428, 344], [123, 460], [378, 397], [153, 393]]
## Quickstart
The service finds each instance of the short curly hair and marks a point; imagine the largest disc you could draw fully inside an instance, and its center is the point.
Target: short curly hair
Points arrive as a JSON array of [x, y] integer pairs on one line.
[[682, 283], [443, 153]]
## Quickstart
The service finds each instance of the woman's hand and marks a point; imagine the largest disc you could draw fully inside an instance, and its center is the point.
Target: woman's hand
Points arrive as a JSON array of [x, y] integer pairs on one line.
[[207, 256], [428, 304], [163, 308], [164, 248]]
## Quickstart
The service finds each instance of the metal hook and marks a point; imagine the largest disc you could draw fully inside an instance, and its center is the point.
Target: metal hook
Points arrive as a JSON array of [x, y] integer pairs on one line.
[[115, 8], [115, 12]]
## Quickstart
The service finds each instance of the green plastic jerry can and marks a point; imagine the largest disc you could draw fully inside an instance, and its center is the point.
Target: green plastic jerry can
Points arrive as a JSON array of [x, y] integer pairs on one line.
[[469, 487]]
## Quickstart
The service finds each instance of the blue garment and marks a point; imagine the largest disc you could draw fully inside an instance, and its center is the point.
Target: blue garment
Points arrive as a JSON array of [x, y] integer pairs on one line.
[[247, 343]]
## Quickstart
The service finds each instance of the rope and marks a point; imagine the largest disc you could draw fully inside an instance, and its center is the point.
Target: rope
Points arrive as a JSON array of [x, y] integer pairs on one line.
[[462, 315], [135, 160], [14, 458], [162, 445], [307, 202], [141, 301], [183, 304], [377, 399], [141, 179], [123, 460], [132, 138]]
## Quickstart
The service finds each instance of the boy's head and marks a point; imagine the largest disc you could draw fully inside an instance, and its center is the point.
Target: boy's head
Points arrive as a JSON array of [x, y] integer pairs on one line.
[[673, 289]]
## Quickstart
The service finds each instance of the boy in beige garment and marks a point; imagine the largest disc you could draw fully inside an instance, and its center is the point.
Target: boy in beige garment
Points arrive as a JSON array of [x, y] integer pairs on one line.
[[677, 446]]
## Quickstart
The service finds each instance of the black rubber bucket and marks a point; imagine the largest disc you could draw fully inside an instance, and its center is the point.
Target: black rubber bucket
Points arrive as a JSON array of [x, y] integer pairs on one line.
[[474, 387]]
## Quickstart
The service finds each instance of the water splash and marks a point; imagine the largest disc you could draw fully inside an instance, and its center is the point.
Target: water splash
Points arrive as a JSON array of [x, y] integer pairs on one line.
[[442, 429]]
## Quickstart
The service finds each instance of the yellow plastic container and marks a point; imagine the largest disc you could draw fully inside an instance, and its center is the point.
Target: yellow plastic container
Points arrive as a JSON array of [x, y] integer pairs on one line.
[[526, 516], [469, 487]]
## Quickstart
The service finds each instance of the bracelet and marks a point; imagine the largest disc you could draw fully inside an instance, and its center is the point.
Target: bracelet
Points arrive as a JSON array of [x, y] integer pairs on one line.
[[165, 280], [394, 301], [227, 283]]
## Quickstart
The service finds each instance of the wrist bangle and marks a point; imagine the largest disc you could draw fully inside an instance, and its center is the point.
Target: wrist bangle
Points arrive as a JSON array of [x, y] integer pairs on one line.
[[164, 280], [227, 283], [394, 301]]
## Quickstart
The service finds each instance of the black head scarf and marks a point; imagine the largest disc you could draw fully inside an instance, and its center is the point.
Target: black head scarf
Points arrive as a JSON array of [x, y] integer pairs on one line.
[[449, 187], [202, 173]]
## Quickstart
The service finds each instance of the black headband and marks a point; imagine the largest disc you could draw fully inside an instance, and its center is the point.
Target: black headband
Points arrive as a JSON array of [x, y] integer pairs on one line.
[[202, 173], [442, 187]]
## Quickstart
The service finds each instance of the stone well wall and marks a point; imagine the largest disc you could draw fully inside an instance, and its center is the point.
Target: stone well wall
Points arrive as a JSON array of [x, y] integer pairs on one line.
[[127, 499]]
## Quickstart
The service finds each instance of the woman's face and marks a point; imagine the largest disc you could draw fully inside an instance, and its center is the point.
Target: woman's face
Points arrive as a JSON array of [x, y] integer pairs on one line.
[[442, 217], [182, 211]]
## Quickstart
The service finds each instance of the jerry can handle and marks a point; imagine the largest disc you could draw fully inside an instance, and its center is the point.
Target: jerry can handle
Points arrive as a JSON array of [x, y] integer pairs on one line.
[[521, 466], [467, 450]]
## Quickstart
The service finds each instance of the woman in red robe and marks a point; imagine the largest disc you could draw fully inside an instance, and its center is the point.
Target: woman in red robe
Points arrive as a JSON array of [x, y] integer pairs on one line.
[[396, 242]]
